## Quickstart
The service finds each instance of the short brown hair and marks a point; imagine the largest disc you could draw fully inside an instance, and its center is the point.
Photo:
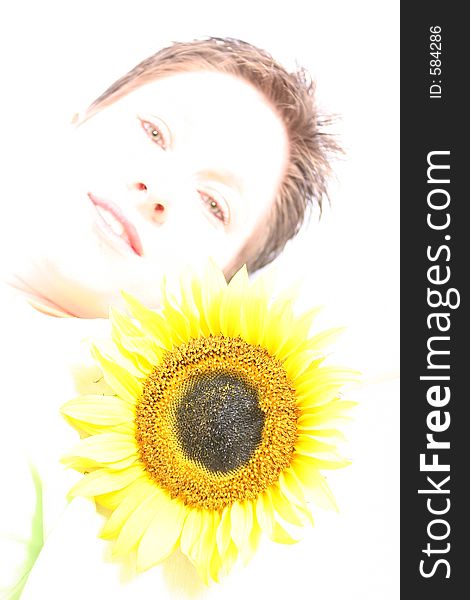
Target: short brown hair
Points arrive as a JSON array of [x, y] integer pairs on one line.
[[291, 95]]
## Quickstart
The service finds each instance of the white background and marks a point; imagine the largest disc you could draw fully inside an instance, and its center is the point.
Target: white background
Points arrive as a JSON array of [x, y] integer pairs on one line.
[[56, 57]]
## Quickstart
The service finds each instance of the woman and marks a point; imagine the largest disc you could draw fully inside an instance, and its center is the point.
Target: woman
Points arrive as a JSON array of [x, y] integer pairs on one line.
[[208, 149]]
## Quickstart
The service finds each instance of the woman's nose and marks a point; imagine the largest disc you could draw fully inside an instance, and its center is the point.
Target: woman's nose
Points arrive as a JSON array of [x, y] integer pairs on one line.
[[153, 207]]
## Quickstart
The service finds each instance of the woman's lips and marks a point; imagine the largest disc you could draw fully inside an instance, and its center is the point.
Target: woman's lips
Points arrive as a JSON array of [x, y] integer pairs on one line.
[[117, 223]]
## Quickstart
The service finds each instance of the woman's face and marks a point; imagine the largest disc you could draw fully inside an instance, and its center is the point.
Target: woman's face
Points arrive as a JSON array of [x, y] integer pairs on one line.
[[179, 170]]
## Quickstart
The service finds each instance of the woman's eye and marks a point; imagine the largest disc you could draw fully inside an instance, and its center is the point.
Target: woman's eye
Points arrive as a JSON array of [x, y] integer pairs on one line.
[[214, 208], [154, 133]]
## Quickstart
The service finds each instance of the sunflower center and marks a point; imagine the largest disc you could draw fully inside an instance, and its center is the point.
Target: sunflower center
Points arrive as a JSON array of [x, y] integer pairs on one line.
[[216, 422], [219, 421]]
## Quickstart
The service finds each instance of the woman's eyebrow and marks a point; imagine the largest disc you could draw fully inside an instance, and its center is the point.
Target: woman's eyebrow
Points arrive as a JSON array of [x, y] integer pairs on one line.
[[224, 176]]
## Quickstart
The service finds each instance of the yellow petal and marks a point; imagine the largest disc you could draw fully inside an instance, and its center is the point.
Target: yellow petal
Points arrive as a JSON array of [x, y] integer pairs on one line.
[[239, 282], [88, 464], [264, 284], [214, 278], [138, 352], [134, 494], [309, 424], [285, 300], [323, 340], [211, 313], [152, 322], [271, 525], [203, 550], [163, 533], [322, 386], [180, 326], [251, 546], [291, 487], [103, 481], [318, 393], [191, 303], [254, 318], [285, 510], [230, 304], [314, 483], [334, 461], [323, 496], [264, 513], [229, 559], [136, 524], [310, 446], [123, 324], [91, 429], [282, 536], [105, 447], [229, 315], [330, 413], [223, 536], [131, 337], [241, 517], [191, 532], [298, 332], [125, 385], [215, 567], [247, 533], [98, 410], [297, 363], [115, 353], [317, 376], [278, 327], [113, 499], [208, 293]]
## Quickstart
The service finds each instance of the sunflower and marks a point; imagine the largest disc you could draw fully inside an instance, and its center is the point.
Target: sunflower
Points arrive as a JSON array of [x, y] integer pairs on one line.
[[219, 421]]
